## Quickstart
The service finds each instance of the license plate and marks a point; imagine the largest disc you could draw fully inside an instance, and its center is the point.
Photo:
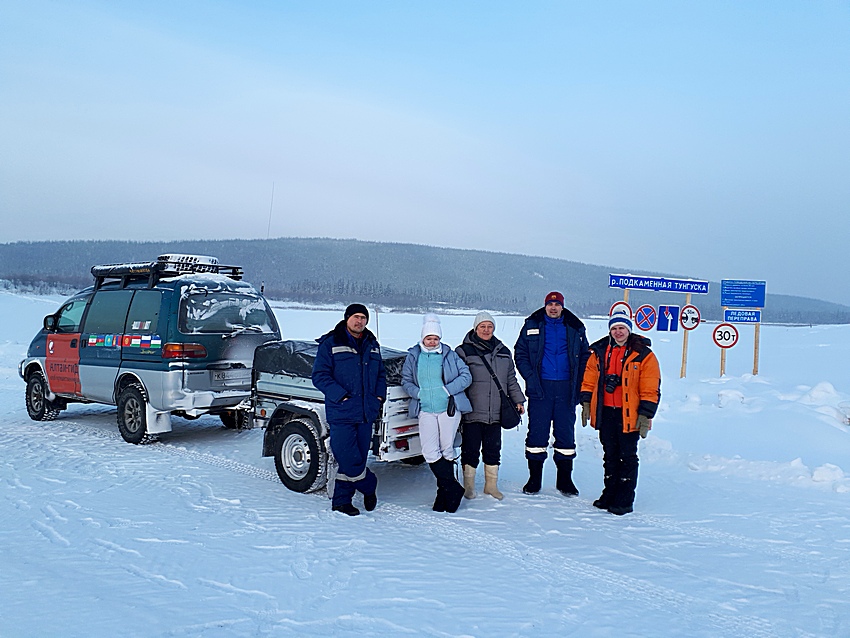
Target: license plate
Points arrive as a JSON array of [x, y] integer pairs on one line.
[[226, 375]]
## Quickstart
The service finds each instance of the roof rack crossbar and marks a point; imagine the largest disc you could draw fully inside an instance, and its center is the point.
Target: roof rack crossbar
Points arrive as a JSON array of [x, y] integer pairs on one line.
[[164, 266]]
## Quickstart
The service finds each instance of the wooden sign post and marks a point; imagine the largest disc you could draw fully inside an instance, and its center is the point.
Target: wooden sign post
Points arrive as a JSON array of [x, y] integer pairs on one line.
[[743, 301]]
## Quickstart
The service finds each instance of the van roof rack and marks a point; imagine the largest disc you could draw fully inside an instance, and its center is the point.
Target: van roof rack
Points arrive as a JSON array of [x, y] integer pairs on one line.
[[165, 266]]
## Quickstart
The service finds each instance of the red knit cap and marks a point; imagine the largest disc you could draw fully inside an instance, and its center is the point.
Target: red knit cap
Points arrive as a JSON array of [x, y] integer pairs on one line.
[[554, 296]]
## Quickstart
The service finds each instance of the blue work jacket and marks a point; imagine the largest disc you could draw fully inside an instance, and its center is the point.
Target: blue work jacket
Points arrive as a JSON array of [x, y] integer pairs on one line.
[[528, 352], [350, 375]]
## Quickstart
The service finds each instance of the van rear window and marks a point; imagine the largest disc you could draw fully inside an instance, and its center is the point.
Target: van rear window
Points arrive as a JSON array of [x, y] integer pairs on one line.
[[225, 312]]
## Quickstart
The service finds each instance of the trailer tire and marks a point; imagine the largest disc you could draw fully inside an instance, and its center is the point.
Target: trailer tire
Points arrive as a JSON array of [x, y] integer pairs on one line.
[[414, 460], [299, 457]]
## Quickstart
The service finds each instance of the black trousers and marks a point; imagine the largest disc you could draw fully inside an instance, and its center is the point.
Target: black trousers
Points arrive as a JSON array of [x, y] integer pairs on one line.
[[484, 438], [619, 459]]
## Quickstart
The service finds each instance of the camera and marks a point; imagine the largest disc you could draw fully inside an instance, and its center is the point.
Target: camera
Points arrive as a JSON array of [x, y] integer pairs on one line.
[[611, 382]]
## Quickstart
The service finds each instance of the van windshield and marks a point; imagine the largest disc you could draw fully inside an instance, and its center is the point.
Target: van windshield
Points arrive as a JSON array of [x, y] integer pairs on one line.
[[225, 312]]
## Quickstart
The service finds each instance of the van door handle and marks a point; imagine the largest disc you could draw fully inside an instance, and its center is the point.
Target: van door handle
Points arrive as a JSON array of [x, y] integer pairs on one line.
[[73, 343]]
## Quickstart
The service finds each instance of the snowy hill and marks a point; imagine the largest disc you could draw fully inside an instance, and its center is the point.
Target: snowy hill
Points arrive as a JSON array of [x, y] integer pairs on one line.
[[741, 523], [394, 275]]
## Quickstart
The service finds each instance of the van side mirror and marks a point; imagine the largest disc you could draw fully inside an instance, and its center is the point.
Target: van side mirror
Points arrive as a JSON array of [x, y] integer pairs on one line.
[[50, 323]]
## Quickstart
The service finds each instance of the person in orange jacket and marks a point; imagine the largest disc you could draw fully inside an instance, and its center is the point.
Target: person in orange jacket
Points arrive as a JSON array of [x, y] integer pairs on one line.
[[620, 393]]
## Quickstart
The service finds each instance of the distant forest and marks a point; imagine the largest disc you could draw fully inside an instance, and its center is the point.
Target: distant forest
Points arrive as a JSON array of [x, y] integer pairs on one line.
[[399, 276]]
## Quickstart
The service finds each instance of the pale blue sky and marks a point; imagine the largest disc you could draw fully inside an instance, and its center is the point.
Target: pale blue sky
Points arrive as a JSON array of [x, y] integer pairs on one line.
[[706, 139]]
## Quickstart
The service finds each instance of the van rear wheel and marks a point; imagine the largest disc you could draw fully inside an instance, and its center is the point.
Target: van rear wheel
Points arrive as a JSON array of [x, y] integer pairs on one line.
[[299, 458], [132, 414]]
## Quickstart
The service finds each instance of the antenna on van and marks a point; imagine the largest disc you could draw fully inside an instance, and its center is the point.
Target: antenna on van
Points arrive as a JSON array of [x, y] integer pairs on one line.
[[271, 206]]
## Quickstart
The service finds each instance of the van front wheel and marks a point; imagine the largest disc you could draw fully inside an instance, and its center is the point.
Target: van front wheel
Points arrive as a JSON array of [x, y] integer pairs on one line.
[[38, 406]]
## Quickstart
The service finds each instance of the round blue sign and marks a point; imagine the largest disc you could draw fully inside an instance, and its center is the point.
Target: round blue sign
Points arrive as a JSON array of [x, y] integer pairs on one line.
[[645, 317]]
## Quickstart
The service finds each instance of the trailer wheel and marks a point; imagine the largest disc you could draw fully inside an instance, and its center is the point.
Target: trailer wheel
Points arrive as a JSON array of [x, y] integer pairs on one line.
[[38, 407], [300, 460], [414, 460], [132, 417]]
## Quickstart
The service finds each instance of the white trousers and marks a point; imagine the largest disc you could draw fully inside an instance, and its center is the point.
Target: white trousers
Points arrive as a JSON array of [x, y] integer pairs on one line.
[[437, 435]]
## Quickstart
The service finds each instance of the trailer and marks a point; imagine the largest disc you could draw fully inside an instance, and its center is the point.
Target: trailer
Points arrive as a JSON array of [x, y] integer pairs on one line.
[[288, 406]]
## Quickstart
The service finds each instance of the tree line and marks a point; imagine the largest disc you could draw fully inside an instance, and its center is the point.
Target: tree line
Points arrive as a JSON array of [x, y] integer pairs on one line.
[[403, 276]]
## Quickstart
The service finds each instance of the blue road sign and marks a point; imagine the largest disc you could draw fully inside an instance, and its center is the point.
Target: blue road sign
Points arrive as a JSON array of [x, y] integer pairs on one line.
[[662, 284], [742, 293], [742, 316], [645, 317], [668, 318]]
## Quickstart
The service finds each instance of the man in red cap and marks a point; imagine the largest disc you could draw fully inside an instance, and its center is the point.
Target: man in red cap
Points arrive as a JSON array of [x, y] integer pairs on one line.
[[551, 353]]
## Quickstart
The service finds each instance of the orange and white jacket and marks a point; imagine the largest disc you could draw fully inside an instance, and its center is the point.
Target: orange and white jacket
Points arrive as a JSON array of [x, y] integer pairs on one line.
[[641, 381]]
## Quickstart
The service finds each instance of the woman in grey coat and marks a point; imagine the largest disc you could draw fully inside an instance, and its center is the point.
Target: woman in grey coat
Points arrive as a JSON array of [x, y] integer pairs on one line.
[[482, 432]]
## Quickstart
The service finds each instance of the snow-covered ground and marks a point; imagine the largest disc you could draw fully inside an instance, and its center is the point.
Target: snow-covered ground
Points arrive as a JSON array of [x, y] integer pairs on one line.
[[741, 528]]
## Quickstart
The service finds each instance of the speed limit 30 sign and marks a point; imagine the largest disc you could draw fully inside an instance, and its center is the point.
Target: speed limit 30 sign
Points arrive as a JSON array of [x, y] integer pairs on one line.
[[725, 335]]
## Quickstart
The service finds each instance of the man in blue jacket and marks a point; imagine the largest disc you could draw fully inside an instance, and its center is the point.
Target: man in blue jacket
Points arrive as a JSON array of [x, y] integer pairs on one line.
[[551, 353], [349, 371]]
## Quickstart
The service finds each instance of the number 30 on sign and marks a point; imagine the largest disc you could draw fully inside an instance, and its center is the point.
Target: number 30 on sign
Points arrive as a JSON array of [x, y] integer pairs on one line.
[[725, 335]]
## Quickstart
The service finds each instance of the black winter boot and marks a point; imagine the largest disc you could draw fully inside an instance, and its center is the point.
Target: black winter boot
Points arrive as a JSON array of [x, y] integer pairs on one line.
[[440, 500], [606, 499], [564, 482], [452, 491], [346, 508], [370, 501], [623, 503], [535, 477]]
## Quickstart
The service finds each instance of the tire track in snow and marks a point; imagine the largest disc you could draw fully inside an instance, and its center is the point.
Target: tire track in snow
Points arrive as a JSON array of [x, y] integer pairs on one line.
[[701, 532], [608, 583], [561, 572], [539, 562], [691, 531]]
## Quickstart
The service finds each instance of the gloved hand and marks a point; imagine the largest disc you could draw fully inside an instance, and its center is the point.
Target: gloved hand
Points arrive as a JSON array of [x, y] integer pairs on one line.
[[644, 423], [585, 414]]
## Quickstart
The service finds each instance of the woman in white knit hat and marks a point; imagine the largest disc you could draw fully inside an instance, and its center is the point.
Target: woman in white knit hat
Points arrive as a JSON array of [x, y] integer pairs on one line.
[[435, 378], [482, 430]]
